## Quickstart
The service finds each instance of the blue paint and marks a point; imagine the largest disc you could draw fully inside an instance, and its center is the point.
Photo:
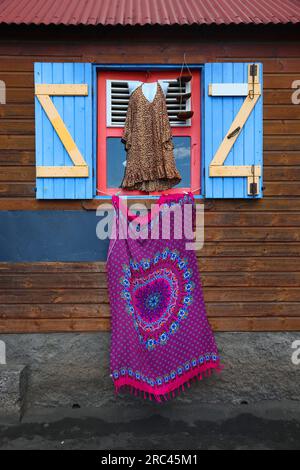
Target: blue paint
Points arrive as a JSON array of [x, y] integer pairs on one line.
[[61, 158], [144, 66], [31, 236], [258, 131], [95, 130], [218, 115], [77, 114], [229, 111], [239, 154], [202, 162]]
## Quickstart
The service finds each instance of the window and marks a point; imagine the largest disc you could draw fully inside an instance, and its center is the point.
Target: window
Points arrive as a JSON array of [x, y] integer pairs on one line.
[[73, 157], [113, 97]]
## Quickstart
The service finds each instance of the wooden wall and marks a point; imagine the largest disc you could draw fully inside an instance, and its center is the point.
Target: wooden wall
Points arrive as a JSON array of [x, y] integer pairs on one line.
[[250, 263]]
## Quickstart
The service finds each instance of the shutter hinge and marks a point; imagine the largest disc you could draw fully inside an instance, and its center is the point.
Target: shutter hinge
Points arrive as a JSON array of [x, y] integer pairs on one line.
[[253, 187], [253, 70], [253, 74]]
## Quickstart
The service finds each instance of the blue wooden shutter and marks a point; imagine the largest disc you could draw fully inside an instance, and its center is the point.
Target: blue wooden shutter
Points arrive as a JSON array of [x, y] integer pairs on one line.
[[218, 115], [76, 114]]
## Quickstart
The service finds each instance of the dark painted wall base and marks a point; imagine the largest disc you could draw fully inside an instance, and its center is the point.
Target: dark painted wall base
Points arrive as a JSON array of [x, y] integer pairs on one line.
[[50, 236]]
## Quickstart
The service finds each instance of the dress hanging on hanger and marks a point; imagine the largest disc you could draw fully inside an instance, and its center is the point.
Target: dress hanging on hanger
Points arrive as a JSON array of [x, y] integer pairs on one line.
[[148, 141]]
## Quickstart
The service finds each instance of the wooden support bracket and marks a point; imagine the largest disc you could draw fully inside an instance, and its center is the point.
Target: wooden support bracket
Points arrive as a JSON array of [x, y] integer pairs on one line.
[[80, 168]]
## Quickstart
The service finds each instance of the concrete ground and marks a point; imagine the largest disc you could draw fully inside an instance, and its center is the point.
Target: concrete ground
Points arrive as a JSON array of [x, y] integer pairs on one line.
[[62, 382], [155, 427]]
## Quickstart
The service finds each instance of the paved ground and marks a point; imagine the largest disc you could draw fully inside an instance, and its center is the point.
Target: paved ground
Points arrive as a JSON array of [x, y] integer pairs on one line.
[[263, 426]]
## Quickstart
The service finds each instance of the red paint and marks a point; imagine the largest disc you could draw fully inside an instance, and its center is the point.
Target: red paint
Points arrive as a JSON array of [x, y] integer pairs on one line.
[[193, 131], [142, 12]]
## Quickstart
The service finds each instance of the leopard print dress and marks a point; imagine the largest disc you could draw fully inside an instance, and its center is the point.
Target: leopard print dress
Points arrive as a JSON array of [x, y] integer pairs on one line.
[[150, 164]]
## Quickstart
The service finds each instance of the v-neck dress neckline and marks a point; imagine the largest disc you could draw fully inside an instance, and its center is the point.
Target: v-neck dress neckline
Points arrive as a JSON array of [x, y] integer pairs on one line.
[[155, 95]]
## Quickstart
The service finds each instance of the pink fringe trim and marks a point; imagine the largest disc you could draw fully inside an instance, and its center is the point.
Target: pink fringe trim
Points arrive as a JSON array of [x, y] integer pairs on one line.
[[167, 391]]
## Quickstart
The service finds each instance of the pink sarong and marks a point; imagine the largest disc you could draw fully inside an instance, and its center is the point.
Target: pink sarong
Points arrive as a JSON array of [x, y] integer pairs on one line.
[[161, 339]]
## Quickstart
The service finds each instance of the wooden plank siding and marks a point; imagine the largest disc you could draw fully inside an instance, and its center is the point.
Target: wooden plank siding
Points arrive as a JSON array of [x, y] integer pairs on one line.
[[52, 297], [250, 263]]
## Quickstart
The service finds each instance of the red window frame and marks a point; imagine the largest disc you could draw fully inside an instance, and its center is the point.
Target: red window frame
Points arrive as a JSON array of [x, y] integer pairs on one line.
[[103, 131]]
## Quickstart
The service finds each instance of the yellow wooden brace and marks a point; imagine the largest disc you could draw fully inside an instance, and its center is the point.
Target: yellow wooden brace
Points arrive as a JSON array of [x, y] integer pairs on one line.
[[80, 168], [217, 167]]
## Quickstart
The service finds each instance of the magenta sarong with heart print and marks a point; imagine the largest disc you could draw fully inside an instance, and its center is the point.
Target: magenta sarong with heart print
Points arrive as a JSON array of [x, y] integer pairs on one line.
[[161, 339]]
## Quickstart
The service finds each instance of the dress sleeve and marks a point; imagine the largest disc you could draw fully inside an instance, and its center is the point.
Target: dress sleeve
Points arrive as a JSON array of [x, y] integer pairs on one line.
[[127, 132]]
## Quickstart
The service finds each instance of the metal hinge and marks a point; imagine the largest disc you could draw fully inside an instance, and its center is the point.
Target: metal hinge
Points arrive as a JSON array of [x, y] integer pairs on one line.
[[253, 74], [253, 70]]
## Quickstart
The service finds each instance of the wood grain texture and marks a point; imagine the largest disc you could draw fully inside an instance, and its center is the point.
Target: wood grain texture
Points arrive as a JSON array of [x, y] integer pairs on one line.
[[94, 325], [281, 67], [52, 297], [250, 261]]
